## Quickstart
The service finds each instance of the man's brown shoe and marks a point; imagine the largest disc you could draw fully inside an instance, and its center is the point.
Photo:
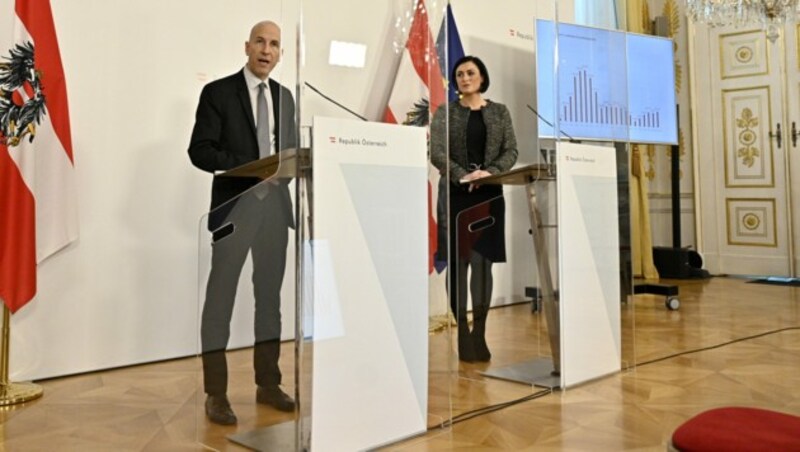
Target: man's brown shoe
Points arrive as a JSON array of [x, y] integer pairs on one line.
[[274, 397], [219, 411]]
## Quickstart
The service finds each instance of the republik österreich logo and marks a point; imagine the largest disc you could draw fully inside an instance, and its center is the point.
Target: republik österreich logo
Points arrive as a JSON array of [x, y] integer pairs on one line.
[[22, 103]]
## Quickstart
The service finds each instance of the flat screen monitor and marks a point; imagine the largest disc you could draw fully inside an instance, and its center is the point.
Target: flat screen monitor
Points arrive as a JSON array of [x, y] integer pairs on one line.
[[612, 86]]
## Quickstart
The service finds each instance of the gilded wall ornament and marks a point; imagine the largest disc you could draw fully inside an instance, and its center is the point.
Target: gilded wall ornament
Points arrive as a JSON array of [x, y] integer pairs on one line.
[[744, 54], [747, 138], [650, 174], [673, 15], [751, 222]]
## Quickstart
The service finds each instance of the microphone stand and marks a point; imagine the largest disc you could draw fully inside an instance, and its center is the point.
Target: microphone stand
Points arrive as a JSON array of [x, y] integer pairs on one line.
[[335, 103], [571, 139]]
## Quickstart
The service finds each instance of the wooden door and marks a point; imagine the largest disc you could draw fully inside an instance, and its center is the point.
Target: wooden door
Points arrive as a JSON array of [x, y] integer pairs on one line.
[[792, 137], [744, 193]]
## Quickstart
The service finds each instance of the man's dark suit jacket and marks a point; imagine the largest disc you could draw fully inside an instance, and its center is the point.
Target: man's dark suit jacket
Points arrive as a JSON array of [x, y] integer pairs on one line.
[[224, 137]]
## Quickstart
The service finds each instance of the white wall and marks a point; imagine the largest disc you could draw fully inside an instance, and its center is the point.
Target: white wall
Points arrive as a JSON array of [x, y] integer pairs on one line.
[[126, 292]]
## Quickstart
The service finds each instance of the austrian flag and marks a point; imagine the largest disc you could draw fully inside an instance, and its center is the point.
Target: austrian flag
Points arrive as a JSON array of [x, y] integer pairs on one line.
[[38, 214], [418, 91]]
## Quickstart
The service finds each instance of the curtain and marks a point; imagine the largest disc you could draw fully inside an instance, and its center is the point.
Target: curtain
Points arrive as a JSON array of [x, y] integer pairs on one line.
[[638, 21]]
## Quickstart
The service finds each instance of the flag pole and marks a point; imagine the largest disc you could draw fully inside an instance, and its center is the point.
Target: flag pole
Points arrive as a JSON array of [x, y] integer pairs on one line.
[[13, 393]]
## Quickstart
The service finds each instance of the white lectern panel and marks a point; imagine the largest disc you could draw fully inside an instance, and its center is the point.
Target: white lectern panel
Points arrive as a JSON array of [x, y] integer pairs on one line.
[[588, 222], [369, 229]]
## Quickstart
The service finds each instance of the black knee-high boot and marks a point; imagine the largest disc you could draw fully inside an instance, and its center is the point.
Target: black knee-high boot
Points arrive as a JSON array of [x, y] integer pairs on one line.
[[466, 350], [479, 314], [481, 289]]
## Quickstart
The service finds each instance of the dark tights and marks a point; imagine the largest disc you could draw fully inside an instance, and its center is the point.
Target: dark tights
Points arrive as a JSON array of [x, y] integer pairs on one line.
[[472, 344]]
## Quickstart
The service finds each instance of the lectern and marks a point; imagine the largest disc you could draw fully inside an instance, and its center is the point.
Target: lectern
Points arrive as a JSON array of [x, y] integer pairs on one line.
[[361, 310], [583, 315], [290, 163], [541, 372]]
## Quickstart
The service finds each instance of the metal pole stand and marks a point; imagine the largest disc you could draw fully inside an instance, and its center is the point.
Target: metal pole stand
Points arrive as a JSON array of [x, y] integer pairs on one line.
[[13, 393]]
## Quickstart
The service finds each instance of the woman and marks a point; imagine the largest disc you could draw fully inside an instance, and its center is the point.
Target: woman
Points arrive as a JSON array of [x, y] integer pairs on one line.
[[481, 142]]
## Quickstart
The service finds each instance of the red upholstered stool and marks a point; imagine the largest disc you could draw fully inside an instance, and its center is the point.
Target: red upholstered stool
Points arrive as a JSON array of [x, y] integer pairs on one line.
[[738, 429]]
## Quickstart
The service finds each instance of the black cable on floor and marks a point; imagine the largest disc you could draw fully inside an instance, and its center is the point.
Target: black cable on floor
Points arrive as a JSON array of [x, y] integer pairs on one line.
[[492, 408], [712, 347], [489, 409]]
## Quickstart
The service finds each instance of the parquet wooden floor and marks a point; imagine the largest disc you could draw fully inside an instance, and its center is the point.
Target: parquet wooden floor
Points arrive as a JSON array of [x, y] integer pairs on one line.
[[156, 407]]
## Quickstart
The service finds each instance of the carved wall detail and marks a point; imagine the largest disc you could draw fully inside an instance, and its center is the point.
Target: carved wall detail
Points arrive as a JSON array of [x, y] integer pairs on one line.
[[743, 54], [751, 222], [748, 148], [747, 137], [673, 15]]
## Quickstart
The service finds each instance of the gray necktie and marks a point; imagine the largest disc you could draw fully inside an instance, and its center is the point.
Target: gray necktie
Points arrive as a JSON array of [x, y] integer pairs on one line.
[[262, 123]]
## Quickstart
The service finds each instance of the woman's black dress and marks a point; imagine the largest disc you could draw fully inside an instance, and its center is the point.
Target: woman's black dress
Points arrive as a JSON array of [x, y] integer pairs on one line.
[[477, 218]]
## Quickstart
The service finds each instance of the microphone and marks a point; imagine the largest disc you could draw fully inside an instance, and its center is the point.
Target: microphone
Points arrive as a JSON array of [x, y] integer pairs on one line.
[[335, 103], [571, 140]]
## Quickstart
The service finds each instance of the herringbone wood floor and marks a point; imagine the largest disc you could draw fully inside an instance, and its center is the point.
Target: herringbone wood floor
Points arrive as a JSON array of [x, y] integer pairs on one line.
[[156, 407]]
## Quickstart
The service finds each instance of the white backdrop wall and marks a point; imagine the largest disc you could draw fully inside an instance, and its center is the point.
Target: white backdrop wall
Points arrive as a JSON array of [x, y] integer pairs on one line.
[[126, 291]]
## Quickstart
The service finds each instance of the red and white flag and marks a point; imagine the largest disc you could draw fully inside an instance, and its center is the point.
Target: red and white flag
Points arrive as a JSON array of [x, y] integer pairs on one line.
[[419, 82], [417, 92], [38, 211]]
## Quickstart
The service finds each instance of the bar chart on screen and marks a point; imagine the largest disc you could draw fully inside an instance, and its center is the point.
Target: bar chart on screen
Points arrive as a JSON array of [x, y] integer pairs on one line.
[[609, 85]]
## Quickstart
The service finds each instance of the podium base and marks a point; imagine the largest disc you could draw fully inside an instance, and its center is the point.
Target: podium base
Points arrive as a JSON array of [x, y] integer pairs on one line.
[[537, 372], [16, 393], [275, 437]]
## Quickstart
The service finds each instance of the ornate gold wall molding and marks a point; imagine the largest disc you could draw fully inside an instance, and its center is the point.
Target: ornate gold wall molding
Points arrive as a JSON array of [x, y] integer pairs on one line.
[[749, 157], [673, 15], [751, 222], [743, 54], [747, 138]]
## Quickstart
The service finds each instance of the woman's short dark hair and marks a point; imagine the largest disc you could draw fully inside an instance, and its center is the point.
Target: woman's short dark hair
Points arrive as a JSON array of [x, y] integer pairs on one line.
[[481, 69]]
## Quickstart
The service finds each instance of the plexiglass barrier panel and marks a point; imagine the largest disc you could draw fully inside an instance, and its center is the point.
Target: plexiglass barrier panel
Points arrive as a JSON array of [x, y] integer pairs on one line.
[[491, 132], [362, 286], [589, 104], [626, 273], [370, 326], [589, 262], [369, 83], [246, 135], [645, 65], [503, 283]]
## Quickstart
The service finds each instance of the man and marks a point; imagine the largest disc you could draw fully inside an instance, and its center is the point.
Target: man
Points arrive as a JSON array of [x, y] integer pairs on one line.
[[241, 118]]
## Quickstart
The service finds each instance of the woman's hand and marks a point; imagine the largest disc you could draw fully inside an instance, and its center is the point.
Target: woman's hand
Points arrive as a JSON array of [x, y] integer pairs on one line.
[[477, 174]]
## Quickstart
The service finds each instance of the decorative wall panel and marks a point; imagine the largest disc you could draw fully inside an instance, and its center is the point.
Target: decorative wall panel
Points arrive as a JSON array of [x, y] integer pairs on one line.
[[746, 117], [751, 222], [743, 54]]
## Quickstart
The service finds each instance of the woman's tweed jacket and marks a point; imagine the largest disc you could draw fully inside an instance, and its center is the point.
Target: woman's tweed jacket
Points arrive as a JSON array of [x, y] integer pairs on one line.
[[501, 144]]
